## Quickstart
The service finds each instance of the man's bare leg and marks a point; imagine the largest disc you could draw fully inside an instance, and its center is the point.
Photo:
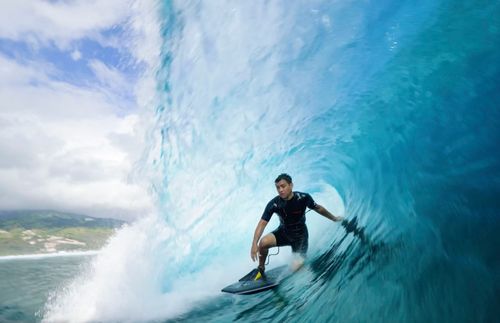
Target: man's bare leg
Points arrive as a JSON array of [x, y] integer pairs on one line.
[[268, 241], [297, 263], [263, 252]]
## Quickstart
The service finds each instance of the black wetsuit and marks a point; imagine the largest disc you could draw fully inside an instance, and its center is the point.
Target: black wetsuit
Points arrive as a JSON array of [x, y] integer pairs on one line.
[[292, 230]]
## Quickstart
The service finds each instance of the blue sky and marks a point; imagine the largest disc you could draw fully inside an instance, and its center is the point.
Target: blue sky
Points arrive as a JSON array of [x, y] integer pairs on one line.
[[73, 87]]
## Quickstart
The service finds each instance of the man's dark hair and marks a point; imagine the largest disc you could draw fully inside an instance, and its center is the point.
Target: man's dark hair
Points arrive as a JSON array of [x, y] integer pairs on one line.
[[284, 176]]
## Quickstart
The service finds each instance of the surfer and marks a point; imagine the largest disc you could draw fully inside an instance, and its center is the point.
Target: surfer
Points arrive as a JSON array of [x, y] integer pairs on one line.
[[292, 231]]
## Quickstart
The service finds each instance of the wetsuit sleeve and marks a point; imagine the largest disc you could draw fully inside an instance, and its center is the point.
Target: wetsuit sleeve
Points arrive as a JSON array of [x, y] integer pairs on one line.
[[269, 210], [310, 202]]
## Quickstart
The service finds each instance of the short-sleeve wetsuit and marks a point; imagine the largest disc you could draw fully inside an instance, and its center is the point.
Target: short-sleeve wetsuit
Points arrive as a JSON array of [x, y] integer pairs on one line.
[[292, 230]]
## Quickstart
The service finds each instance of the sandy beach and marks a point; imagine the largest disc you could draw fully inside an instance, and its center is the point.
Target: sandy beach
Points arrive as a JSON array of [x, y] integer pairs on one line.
[[49, 244]]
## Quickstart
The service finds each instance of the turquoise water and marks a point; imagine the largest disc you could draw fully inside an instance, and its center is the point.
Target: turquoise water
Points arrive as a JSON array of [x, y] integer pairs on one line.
[[26, 284], [387, 112], [396, 105]]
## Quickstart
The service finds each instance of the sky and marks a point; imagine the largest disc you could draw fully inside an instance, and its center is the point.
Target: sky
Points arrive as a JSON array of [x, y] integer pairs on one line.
[[73, 89]]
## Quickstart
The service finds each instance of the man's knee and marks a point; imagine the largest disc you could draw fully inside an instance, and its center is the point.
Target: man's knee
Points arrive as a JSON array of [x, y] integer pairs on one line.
[[267, 242]]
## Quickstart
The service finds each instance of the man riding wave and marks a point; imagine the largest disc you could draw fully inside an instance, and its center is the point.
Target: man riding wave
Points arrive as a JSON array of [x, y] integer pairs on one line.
[[292, 231]]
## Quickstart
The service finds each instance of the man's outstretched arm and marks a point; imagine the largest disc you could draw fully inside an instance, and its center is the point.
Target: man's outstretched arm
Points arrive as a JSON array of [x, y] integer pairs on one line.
[[324, 212], [256, 236]]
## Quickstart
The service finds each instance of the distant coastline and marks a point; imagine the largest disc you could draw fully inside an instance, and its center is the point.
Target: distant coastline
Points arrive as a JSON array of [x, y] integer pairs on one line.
[[50, 255], [46, 232]]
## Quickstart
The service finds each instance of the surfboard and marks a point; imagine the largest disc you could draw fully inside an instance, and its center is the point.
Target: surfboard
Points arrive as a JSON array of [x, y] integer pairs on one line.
[[246, 285]]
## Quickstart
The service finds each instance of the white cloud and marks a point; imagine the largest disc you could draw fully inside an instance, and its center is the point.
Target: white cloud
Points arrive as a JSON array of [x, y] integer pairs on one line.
[[146, 44], [29, 90], [76, 55], [59, 22], [109, 76], [65, 147]]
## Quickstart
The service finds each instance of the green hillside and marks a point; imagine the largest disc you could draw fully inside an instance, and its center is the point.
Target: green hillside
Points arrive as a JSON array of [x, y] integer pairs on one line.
[[32, 219], [34, 232]]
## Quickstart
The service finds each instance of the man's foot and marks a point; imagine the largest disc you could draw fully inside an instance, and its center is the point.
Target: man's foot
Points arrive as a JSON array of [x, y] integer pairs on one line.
[[255, 274], [260, 273], [297, 264]]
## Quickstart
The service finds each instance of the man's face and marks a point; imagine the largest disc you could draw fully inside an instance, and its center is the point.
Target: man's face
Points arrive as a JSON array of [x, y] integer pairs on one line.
[[284, 189]]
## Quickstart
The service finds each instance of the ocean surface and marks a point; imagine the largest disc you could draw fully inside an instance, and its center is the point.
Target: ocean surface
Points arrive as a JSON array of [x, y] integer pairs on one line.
[[26, 282], [386, 112]]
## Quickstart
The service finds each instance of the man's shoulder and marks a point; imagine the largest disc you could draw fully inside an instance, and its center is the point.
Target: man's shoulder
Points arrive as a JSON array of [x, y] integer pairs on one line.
[[304, 198], [274, 200], [301, 195]]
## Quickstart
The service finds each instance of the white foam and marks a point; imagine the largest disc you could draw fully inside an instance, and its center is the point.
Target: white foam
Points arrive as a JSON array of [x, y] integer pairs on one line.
[[138, 277]]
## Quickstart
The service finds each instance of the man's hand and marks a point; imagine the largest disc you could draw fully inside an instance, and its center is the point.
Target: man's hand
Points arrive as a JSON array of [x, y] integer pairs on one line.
[[338, 218], [254, 253]]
